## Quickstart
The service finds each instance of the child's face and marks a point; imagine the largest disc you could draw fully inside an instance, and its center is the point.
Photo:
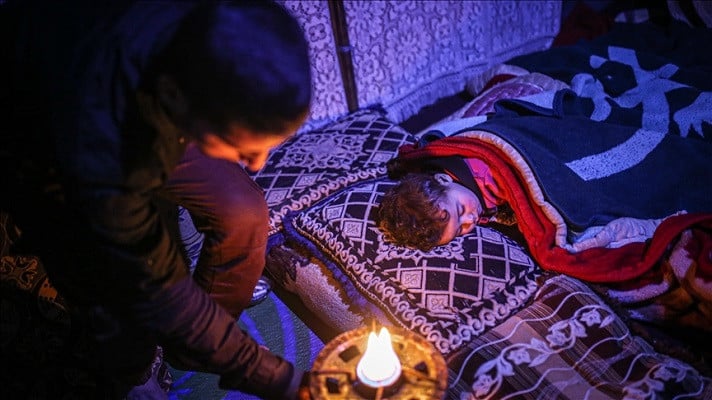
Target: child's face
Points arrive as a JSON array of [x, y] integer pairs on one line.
[[463, 209], [244, 146]]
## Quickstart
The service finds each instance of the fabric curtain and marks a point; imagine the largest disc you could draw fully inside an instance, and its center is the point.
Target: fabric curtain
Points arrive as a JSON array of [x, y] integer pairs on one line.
[[409, 53]]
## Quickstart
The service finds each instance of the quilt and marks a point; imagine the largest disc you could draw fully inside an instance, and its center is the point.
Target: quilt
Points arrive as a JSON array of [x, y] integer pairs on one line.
[[568, 345], [632, 138], [609, 177]]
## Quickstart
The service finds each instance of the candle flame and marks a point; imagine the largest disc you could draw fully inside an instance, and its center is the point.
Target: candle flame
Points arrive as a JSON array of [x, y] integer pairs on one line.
[[379, 365]]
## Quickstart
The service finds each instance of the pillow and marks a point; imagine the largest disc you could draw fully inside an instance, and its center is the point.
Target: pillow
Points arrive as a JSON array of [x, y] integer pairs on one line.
[[512, 88], [312, 165], [326, 298], [449, 295]]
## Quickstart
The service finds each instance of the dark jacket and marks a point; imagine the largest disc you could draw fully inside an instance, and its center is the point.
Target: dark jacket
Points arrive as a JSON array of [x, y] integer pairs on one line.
[[96, 128]]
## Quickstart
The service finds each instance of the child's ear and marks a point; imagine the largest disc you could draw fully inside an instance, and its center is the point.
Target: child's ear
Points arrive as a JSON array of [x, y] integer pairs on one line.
[[443, 179]]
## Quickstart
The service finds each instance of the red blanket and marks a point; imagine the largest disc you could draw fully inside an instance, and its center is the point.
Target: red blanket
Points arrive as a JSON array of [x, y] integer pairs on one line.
[[603, 265]]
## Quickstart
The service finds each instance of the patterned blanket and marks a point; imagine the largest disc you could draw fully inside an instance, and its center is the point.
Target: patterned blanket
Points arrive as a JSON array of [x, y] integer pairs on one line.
[[609, 161], [640, 104], [568, 345], [540, 222], [610, 177]]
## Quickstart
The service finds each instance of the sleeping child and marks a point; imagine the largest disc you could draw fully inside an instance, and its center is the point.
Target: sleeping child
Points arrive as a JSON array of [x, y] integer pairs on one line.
[[438, 199], [444, 199]]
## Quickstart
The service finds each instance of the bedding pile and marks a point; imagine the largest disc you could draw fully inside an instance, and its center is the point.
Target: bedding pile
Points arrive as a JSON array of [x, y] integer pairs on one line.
[[609, 172], [603, 148], [605, 243]]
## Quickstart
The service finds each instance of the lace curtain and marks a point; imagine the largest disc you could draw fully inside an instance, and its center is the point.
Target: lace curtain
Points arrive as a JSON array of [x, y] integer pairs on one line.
[[410, 53]]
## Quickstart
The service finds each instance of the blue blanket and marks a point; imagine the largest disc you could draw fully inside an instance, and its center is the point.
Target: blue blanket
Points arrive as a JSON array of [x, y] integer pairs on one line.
[[633, 136]]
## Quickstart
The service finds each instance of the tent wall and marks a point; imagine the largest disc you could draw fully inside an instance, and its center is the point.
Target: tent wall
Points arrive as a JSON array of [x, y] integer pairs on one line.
[[407, 54]]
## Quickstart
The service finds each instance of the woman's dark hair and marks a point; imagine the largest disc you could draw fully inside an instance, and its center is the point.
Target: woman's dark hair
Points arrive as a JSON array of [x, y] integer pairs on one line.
[[242, 61]]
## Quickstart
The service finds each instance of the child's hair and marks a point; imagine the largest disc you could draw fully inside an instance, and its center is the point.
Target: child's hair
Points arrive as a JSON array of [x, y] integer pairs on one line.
[[409, 213], [243, 61]]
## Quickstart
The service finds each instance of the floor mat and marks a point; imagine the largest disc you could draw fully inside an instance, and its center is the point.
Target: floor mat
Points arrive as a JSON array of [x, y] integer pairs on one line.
[[270, 323]]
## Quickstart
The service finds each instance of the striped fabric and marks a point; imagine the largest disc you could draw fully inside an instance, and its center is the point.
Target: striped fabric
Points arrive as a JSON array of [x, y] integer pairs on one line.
[[568, 344]]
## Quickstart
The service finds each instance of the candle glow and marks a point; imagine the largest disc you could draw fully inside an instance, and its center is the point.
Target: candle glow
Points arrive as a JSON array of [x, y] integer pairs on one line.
[[379, 366]]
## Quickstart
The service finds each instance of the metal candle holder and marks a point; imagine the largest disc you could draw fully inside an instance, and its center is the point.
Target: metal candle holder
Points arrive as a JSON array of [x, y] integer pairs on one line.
[[423, 375]]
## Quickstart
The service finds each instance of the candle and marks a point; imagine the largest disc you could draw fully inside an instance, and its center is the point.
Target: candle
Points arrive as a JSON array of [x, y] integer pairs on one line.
[[379, 366], [409, 368]]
